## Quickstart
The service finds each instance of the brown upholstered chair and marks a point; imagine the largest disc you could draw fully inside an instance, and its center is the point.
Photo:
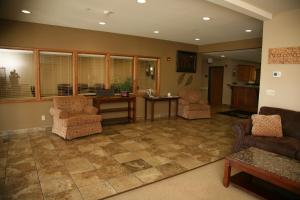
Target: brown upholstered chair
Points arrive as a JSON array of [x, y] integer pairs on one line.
[[191, 106], [74, 116]]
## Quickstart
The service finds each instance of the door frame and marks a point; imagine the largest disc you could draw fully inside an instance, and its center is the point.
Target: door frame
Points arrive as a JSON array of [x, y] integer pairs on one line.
[[209, 79]]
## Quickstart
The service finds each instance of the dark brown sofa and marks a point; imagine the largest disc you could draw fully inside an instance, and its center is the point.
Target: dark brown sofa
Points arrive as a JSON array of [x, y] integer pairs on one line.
[[288, 145]]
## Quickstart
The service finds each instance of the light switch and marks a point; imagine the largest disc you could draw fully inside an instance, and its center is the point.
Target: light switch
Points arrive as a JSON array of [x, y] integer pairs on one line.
[[270, 92]]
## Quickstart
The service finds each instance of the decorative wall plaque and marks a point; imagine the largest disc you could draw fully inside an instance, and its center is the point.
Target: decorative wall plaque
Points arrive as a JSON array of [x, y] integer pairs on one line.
[[289, 55]]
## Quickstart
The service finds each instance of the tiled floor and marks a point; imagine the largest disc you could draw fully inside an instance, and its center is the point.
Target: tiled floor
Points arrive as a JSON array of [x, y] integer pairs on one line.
[[40, 165]]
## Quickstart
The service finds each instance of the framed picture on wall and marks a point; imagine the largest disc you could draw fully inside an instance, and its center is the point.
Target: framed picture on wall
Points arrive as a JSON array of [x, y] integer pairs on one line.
[[186, 61]]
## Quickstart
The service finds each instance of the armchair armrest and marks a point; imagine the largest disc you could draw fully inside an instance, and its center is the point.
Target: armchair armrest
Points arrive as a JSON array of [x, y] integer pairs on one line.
[[91, 110], [241, 129], [59, 113]]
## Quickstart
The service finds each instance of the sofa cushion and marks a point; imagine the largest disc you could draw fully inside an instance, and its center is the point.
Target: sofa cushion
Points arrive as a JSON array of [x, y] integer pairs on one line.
[[289, 119], [77, 120], [266, 125], [287, 146]]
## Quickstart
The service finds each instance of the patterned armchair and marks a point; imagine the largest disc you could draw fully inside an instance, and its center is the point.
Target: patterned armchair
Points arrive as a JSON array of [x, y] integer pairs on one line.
[[190, 105], [74, 116]]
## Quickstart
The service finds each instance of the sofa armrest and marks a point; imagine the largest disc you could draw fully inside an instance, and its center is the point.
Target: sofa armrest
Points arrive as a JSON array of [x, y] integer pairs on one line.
[[241, 129], [91, 110], [59, 113]]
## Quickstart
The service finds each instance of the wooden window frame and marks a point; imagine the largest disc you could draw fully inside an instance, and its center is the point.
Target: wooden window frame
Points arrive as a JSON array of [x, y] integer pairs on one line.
[[107, 81]]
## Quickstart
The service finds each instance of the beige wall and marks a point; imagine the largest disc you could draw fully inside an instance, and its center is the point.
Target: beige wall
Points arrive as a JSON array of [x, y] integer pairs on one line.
[[282, 31], [19, 34], [230, 65]]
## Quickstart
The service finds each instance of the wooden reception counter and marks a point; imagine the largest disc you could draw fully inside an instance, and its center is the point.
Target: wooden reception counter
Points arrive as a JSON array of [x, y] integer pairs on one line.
[[245, 97]]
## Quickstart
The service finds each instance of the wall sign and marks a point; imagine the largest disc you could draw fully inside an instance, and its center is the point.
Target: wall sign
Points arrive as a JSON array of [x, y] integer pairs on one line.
[[289, 55]]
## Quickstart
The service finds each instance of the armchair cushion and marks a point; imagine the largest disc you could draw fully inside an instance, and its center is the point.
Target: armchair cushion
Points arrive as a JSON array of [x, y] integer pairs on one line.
[[73, 104], [79, 119], [196, 106], [61, 114], [90, 110]]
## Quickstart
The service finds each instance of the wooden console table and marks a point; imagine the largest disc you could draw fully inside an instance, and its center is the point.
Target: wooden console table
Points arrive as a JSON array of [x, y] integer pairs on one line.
[[152, 100], [130, 109]]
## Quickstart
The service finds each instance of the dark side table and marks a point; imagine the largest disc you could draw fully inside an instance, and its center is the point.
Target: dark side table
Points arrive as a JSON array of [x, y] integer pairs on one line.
[[153, 100]]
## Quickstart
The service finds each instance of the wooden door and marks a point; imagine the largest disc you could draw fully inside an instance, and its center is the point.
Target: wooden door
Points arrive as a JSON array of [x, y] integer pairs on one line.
[[215, 85]]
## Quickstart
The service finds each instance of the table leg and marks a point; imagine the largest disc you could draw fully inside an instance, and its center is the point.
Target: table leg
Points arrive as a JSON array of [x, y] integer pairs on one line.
[[134, 110], [129, 110], [152, 110], [146, 109], [227, 172], [169, 108], [176, 108]]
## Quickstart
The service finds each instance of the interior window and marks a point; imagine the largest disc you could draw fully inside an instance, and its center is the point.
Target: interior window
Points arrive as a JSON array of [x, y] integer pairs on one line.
[[17, 77], [121, 73], [56, 74], [91, 72], [146, 74]]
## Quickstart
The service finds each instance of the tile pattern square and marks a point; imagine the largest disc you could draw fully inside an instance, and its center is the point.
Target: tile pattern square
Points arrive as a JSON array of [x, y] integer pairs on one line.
[[40, 165]]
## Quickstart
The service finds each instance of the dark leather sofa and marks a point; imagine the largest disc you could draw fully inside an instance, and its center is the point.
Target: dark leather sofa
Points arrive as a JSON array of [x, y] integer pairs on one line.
[[288, 145]]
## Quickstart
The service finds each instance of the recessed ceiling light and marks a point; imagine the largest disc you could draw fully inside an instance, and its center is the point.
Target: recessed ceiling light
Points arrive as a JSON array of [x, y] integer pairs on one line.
[[25, 11], [197, 39], [102, 23], [222, 56], [206, 18], [156, 32], [248, 30], [141, 1]]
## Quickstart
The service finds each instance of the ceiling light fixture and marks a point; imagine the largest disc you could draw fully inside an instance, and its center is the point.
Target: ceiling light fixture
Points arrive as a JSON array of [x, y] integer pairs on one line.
[[222, 56], [102, 23], [248, 30], [25, 11], [206, 18], [156, 32], [141, 1], [197, 39]]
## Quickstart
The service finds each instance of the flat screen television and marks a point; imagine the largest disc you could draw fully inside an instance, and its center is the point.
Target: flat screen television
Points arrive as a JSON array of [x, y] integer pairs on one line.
[[186, 61]]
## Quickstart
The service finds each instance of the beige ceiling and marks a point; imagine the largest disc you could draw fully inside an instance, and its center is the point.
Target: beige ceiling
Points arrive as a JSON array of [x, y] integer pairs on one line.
[[177, 20]]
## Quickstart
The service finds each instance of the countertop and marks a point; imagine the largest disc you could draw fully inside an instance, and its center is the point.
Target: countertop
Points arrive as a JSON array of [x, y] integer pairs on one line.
[[244, 85]]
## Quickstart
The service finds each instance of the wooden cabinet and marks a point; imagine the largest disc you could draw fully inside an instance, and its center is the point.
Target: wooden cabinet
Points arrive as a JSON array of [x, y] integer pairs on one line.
[[244, 98], [246, 73]]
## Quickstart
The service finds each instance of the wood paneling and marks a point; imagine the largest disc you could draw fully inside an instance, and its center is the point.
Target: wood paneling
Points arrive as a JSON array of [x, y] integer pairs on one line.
[[244, 98], [246, 73], [215, 85]]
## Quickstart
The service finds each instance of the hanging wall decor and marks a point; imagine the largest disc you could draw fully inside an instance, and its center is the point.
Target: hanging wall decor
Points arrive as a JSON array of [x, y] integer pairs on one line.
[[289, 55]]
